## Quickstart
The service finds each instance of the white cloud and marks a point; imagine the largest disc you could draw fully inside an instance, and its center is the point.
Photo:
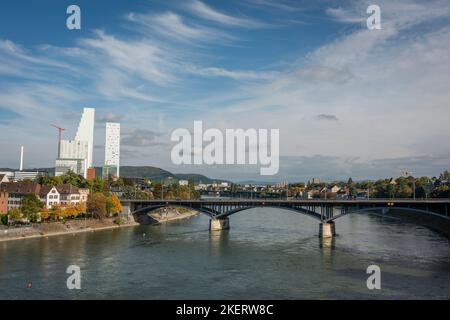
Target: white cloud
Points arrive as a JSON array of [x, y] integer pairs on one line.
[[388, 88], [172, 26], [208, 13], [237, 75]]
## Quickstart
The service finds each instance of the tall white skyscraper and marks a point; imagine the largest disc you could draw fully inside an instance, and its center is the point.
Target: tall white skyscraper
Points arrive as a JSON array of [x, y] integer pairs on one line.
[[76, 155], [85, 132], [112, 150]]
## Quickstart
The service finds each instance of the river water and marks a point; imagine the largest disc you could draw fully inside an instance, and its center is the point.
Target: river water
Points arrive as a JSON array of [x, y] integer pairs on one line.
[[267, 254]]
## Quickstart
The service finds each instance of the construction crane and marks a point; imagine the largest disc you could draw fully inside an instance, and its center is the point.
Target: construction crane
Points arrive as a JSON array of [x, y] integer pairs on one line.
[[60, 130]]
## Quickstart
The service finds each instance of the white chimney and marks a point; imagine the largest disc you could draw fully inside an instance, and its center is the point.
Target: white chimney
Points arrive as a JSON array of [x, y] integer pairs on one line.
[[21, 158]]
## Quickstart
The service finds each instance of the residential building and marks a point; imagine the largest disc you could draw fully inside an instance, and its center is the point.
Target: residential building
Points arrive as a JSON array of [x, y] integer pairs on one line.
[[308, 194], [183, 182], [3, 201], [50, 196], [12, 193], [3, 178], [8, 174], [71, 195], [15, 191], [393, 181], [334, 189], [112, 150]]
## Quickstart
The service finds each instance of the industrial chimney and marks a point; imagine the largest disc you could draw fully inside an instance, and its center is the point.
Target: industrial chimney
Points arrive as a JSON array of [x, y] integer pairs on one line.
[[21, 159]]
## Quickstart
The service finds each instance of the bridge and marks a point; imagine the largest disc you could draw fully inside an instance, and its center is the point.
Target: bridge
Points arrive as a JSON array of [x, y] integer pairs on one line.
[[325, 211]]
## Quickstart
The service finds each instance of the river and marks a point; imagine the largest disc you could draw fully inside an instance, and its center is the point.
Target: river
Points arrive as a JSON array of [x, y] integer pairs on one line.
[[267, 254]]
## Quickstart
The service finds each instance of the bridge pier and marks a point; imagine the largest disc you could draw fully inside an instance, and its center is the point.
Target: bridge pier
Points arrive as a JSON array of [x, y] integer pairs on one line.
[[219, 224], [327, 229]]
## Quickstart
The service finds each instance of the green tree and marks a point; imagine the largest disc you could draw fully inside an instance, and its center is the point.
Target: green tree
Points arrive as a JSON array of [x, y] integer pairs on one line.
[[73, 179], [441, 192], [31, 204], [96, 185], [445, 175], [404, 191], [4, 219], [96, 205], [14, 215]]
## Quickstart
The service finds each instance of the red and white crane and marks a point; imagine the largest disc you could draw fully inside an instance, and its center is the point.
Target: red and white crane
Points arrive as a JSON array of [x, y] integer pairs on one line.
[[60, 130]]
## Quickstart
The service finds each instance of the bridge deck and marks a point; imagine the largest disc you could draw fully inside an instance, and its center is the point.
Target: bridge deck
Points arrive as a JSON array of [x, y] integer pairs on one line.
[[324, 210], [298, 202]]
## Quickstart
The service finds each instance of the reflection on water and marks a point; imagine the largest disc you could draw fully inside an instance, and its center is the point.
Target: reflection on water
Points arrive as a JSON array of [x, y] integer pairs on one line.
[[267, 253]]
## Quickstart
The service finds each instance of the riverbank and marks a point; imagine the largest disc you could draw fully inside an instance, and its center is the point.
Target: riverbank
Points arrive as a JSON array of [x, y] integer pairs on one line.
[[43, 230], [436, 223], [170, 214]]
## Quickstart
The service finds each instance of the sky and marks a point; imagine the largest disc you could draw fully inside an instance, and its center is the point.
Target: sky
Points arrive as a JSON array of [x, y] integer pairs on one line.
[[348, 101]]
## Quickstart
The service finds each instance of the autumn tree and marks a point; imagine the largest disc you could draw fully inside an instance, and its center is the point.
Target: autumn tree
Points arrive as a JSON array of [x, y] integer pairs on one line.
[[116, 205], [45, 214], [96, 205], [14, 215]]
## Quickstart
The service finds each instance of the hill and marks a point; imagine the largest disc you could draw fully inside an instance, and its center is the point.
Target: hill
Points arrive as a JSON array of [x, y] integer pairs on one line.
[[148, 172]]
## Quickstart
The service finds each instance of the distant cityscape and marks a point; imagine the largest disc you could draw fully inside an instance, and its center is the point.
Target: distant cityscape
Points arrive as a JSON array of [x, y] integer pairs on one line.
[[76, 155], [74, 178]]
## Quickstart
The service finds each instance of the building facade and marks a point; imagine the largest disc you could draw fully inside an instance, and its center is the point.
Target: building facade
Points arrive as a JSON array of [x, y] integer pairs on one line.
[[12, 193], [76, 155], [71, 195], [112, 150], [15, 191], [49, 195], [21, 175]]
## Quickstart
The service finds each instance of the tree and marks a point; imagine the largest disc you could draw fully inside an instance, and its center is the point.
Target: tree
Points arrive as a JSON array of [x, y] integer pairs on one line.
[[169, 195], [404, 191], [96, 205], [441, 192], [72, 211], [4, 219], [96, 185], [45, 214], [14, 215], [45, 179], [73, 179], [116, 205], [445, 175], [57, 213], [31, 204], [185, 195]]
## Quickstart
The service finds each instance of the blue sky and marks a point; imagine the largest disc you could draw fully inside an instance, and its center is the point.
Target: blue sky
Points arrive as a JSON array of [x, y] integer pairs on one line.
[[348, 101]]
